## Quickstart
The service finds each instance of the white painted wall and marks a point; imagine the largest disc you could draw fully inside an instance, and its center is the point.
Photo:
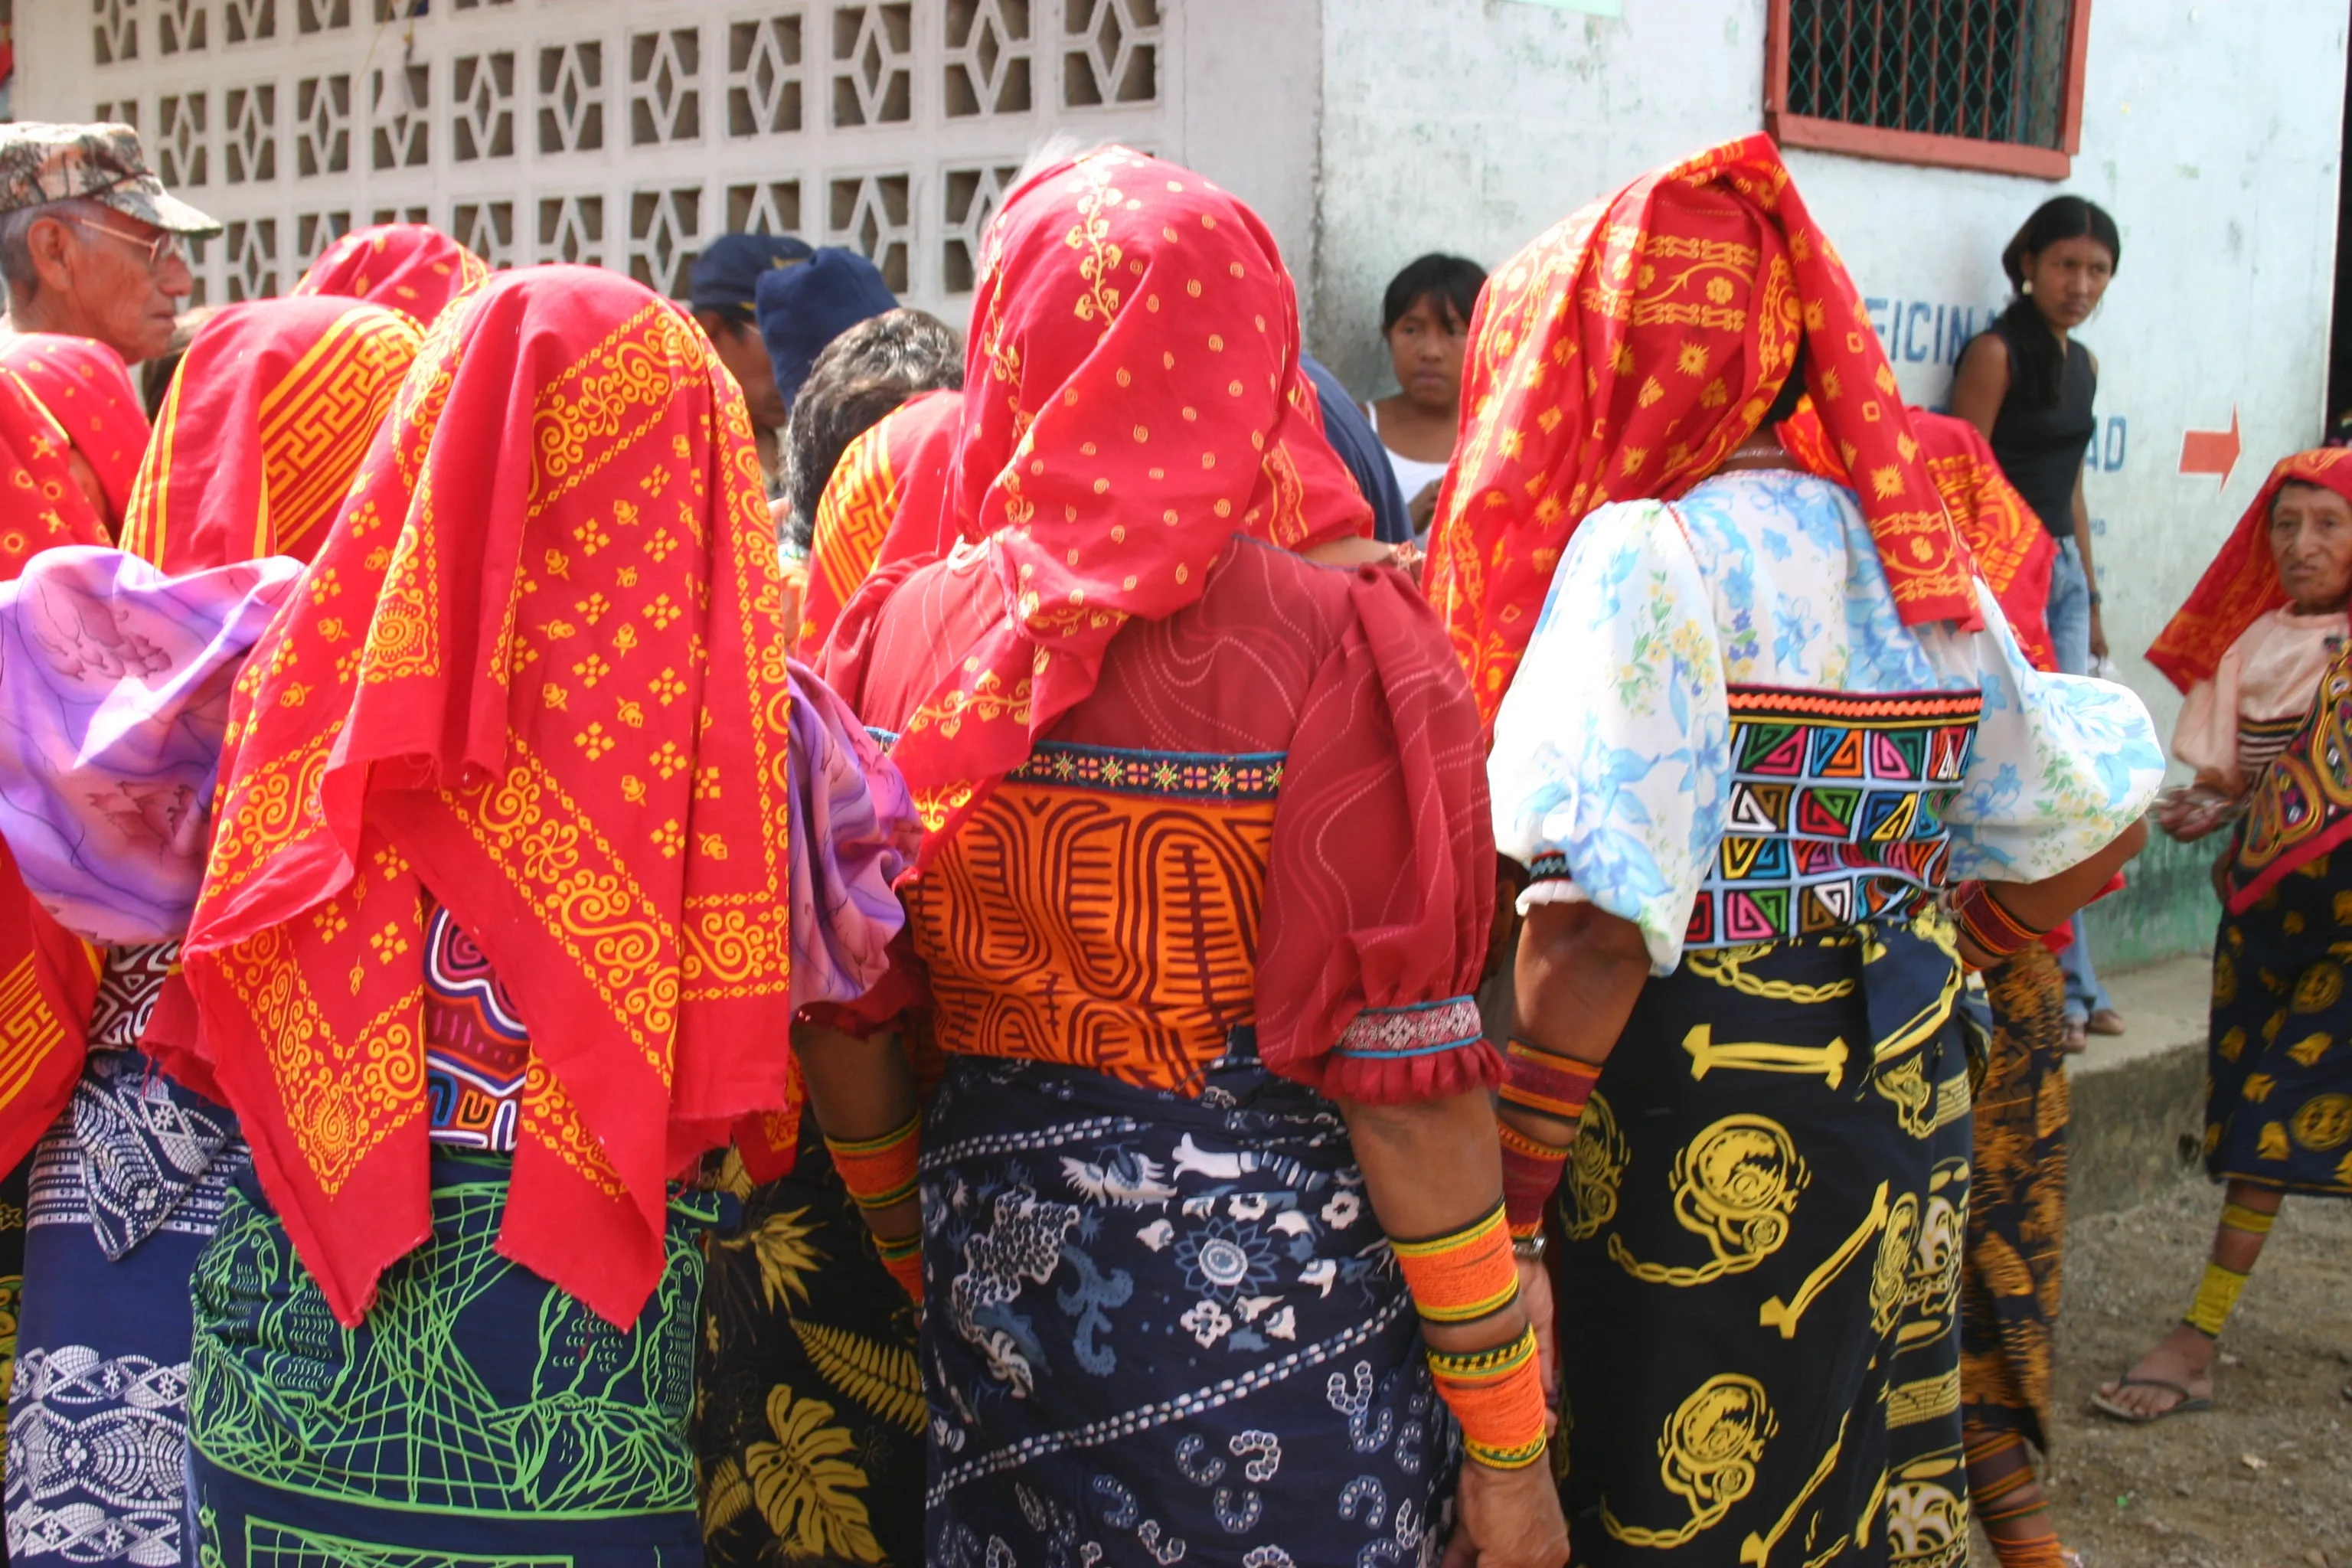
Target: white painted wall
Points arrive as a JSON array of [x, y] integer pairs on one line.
[[1470, 125]]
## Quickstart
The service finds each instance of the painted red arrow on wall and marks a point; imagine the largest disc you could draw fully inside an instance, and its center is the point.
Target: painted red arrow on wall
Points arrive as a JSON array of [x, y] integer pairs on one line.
[[2210, 451]]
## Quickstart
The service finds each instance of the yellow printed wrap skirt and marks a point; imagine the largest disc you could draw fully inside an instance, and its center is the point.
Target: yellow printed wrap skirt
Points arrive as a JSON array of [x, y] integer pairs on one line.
[[1761, 1277], [2017, 1203], [2278, 1102]]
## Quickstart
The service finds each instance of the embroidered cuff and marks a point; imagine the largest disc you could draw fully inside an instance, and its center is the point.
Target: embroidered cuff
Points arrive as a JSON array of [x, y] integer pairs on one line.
[[1425, 1029]]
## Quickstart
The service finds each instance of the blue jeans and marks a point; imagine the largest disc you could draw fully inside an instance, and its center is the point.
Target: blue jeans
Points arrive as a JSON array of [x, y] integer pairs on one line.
[[2069, 609]]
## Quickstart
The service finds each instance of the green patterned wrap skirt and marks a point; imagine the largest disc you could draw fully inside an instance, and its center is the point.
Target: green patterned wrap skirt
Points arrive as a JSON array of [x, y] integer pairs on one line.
[[480, 1415]]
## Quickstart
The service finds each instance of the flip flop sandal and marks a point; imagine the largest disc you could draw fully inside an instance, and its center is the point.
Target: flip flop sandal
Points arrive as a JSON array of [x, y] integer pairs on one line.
[[2188, 1403]]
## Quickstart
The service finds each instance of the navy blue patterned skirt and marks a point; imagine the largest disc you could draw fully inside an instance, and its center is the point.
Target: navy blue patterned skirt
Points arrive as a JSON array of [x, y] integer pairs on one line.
[[1160, 1327], [479, 1416]]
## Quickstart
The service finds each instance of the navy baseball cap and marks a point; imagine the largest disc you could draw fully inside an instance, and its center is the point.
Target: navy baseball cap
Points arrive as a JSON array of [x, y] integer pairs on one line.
[[803, 308], [726, 276]]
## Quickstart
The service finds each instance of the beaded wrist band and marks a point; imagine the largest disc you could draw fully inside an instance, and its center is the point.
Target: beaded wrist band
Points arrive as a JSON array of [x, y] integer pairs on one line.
[[878, 1172], [1498, 1396], [1531, 1172], [904, 1260], [1546, 1082], [1462, 1276], [1997, 932]]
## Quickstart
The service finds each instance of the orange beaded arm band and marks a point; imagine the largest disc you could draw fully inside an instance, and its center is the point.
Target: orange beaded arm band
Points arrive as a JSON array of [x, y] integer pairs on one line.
[[878, 1172], [1462, 1276], [1498, 1396]]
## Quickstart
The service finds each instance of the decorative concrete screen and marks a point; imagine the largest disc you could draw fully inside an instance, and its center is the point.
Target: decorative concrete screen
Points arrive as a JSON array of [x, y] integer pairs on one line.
[[620, 133]]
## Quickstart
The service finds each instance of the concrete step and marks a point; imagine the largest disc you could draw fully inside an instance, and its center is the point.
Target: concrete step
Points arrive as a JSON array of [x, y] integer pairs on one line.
[[2139, 1097]]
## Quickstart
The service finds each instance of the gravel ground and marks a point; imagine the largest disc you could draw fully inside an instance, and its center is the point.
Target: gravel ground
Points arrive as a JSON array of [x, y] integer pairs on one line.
[[2263, 1480]]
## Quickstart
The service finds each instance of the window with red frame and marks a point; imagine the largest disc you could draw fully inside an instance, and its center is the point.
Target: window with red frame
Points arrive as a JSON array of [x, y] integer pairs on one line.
[[1967, 84]]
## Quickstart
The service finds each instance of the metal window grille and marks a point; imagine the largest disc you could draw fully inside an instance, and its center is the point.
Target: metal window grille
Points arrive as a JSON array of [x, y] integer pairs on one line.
[[1988, 70]]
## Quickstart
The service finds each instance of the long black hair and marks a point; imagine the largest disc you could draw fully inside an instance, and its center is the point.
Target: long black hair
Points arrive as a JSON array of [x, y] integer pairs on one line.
[[2037, 364]]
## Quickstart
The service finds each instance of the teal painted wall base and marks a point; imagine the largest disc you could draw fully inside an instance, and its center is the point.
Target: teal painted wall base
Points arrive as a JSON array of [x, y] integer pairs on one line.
[[2168, 907]]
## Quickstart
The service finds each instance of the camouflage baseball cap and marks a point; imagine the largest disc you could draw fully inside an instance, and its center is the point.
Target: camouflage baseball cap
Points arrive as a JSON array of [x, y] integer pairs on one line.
[[41, 163]]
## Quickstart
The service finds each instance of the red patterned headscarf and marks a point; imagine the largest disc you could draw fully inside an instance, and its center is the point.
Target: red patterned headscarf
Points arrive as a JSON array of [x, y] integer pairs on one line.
[[1625, 354], [883, 503], [2013, 552], [2242, 584], [1132, 400], [265, 424], [83, 384], [45, 505], [48, 977], [538, 667], [410, 267]]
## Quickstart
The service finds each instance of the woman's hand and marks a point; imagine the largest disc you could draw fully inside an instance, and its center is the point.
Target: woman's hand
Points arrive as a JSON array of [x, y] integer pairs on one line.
[[1423, 508], [2190, 812], [2098, 637], [1509, 1519], [1535, 1299]]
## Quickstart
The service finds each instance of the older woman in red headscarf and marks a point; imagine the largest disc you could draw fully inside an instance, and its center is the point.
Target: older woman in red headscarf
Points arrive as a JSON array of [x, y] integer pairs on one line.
[[1750, 725], [2258, 651], [410, 267], [1203, 898], [266, 419]]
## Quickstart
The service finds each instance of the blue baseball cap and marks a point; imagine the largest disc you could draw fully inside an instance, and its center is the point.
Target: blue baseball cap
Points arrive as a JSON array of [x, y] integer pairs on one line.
[[726, 276], [801, 309]]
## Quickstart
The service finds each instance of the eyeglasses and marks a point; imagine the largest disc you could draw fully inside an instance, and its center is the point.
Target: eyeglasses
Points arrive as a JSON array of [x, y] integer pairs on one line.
[[165, 245]]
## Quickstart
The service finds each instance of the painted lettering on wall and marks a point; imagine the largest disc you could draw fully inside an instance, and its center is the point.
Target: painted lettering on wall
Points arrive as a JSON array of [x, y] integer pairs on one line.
[[2107, 450], [1926, 332]]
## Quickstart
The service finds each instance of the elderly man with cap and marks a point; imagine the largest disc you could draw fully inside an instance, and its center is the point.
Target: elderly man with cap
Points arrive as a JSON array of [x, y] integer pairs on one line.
[[721, 287], [90, 242]]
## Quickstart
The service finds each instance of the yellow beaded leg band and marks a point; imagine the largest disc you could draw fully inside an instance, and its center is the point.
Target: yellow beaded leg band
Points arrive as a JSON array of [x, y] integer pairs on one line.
[[2238, 1216], [903, 1259], [2217, 1298], [878, 1172]]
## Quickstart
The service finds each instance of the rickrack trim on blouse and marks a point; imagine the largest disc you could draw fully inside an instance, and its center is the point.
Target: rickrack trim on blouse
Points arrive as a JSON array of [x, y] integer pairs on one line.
[[1177, 775], [1422, 1029]]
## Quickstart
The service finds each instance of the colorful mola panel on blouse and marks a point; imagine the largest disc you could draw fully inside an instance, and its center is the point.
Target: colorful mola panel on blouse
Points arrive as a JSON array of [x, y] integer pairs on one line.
[[1836, 812], [2301, 806], [1101, 910], [477, 1050]]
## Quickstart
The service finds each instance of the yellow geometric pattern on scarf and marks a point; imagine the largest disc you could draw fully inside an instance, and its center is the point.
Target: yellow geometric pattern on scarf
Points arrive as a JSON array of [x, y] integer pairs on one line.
[[29, 1029], [341, 1098]]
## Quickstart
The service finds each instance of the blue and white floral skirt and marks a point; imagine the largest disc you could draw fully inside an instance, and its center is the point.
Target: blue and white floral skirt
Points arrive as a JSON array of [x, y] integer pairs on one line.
[[126, 1189], [1160, 1327]]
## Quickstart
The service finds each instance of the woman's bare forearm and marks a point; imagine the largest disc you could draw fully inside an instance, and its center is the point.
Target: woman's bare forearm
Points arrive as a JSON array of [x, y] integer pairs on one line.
[[1581, 971], [1431, 1167], [861, 1089]]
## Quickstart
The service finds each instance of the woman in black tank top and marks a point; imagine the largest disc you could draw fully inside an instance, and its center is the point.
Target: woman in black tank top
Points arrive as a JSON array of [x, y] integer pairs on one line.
[[2028, 386]]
